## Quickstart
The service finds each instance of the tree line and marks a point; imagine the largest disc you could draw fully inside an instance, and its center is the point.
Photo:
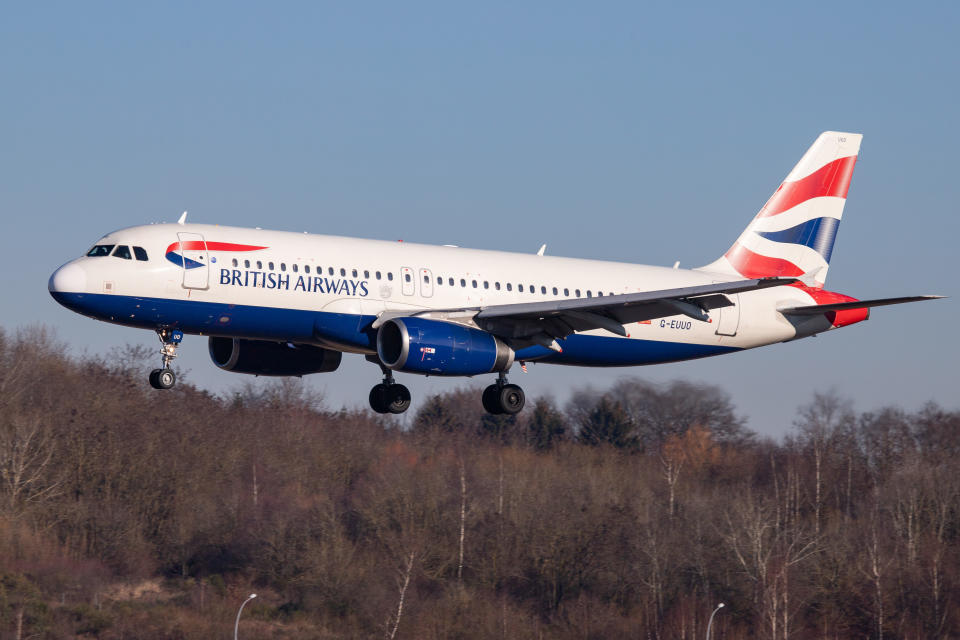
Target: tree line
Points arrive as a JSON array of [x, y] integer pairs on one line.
[[623, 513]]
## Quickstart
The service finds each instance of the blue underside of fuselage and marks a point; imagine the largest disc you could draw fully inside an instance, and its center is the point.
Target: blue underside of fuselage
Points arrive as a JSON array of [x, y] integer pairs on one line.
[[351, 332]]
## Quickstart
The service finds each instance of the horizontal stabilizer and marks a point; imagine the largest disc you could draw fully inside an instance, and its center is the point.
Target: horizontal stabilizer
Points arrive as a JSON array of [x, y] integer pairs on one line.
[[817, 309]]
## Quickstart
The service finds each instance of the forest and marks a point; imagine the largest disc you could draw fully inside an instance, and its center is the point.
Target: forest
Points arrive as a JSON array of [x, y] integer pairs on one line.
[[630, 512]]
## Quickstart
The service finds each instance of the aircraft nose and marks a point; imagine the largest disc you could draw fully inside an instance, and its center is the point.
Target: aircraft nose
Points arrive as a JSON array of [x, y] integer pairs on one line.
[[70, 278]]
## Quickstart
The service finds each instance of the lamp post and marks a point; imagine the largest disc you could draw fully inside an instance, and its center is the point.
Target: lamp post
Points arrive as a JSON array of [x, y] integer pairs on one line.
[[709, 624], [236, 626]]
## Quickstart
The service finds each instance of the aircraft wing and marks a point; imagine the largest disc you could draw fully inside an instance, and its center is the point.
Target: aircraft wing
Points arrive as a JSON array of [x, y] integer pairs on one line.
[[817, 309], [542, 322]]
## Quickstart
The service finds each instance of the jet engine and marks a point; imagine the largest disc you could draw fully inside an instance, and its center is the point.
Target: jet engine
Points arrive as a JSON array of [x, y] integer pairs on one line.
[[265, 358], [437, 348]]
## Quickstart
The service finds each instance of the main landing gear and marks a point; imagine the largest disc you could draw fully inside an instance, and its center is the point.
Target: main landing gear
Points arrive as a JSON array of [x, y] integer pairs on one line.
[[164, 378], [503, 398], [388, 396]]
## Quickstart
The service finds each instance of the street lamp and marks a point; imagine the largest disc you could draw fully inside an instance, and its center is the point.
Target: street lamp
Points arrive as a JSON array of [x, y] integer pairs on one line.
[[236, 627], [719, 606]]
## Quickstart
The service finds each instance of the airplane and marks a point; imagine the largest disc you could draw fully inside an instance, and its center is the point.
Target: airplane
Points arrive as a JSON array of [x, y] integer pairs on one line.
[[277, 303]]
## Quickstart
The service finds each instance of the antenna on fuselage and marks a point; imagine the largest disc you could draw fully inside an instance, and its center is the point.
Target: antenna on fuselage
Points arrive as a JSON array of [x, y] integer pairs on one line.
[[543, 248], [183, 218]]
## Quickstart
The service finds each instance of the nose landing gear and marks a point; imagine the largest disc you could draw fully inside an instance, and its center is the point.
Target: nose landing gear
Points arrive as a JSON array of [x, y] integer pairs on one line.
[[388, 396], [503, 398], [170, 339]]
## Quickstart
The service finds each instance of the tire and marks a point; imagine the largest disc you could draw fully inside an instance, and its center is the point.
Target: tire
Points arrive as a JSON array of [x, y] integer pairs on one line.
[[398, 398], [511, 399], [378, 398], [491, 400], [165, 379], [153, 379]]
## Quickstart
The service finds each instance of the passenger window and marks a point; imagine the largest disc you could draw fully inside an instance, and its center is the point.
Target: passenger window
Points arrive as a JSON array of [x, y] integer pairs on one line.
[[141, 253], [509, 286], [406, 277], [463, 283], [486, 285], [123, 251], [330, 271], [426, 278], [566, 291], [259, 265], [474, 284], [439, 281], [235, 263], [389, 275], [269, 265], [343, 271], [366, 274], [554, 291], [496, 285], [246, 264], [294, 266], [520, 288], [533, 289], [354, 272], [283, 266], [306, 268], [600, 293], [578, 293], [378, 275], [450, 281], [543, 290], [589, 295], [100, 250]]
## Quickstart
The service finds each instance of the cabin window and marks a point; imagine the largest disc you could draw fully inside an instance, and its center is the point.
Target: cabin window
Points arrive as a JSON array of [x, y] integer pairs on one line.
[[509, 286], [354, 272], [450, 281], [378, 275], [283, 266], [440, 280], [554, 291], [259, 265], [389, 275], [474, 284], [123, 251], [246, 264], [486, 285], [533, 289], [406, 277], [566, 291], [269, 265], [543, 290], [366, 274], [589, 295], [600, 293], [140, 253], [343, 272], [496, 285], [578, 293], [306, 268], [294, 266], [235, 263], [520, 288], [100, 250], [426, 278], [463, 283]]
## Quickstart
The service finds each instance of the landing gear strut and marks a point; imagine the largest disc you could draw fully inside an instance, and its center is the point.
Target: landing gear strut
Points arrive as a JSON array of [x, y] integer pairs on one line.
[[503, 398], [388, 396], [170, 339]]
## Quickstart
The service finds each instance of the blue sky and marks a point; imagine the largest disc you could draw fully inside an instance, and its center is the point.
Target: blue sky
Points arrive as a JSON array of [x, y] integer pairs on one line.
[[616, 131]]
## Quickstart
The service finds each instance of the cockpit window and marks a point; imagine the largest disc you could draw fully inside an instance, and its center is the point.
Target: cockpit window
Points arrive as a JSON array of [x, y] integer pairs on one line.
[[140, 253], [100, 250], [122, 251]]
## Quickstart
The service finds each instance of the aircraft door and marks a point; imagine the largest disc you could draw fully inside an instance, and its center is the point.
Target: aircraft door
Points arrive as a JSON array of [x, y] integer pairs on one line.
[[426, 283], [729, 317], [195, 261], [407, 283]]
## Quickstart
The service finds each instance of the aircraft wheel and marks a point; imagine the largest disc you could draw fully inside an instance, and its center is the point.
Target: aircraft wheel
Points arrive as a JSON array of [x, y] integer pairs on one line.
[[398, 398], [378, 398], [163, 379], [491, 400], [511, 399]]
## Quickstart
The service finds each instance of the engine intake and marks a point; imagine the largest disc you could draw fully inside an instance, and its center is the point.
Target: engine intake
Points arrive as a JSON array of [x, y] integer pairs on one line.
[[434, 347], [265, 358]]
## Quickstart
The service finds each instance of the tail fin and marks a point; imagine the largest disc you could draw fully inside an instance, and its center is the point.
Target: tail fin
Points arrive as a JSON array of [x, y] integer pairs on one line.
[[794, 232]]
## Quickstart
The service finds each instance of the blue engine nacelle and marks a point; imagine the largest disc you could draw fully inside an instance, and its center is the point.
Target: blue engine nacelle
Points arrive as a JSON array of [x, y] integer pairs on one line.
[[437, 348], [265, 358]]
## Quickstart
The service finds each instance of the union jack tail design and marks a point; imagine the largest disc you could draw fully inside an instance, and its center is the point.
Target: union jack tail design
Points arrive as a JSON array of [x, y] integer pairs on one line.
[[794, 232]]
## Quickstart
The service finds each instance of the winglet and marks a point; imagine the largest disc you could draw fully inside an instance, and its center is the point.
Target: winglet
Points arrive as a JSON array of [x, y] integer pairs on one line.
[[540, 251], [183, 218]]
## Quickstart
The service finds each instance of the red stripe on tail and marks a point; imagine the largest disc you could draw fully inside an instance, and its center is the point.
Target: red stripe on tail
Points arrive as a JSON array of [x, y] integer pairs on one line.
[[832, 179], [753, 265]]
